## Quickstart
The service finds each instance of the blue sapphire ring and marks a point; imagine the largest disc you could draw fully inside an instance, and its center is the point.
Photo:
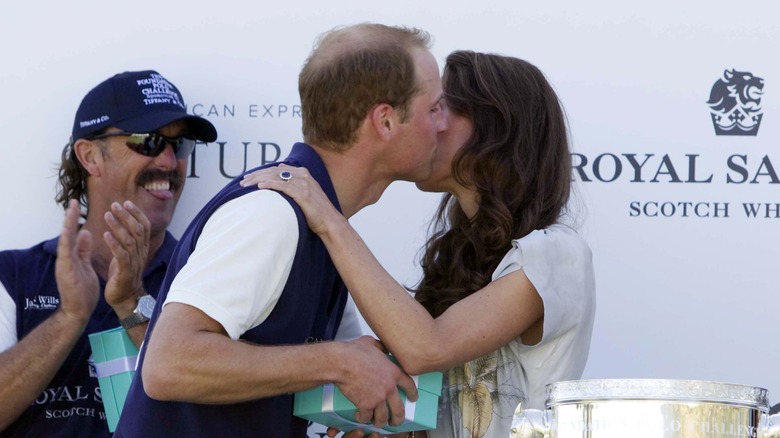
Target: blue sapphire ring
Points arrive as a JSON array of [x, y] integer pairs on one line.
[[285, 175]]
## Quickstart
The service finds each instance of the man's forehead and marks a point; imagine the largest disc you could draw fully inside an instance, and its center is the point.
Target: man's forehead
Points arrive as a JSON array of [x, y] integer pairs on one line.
[[431, 88], [179, 125], [173, 129], [427, 69], [175, 126]]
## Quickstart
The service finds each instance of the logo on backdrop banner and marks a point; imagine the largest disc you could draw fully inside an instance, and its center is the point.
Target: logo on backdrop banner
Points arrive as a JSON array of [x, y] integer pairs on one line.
[[735, 103], [735, 106]]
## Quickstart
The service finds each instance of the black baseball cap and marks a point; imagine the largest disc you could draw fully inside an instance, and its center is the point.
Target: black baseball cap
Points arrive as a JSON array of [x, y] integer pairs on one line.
[[139, 102]]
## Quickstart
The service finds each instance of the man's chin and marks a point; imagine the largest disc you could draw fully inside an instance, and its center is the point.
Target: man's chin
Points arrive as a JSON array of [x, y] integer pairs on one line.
[[159, 223], [421, 186]]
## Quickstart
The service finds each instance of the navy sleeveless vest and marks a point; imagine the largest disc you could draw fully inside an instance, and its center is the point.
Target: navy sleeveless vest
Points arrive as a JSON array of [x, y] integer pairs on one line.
[[309, 309]]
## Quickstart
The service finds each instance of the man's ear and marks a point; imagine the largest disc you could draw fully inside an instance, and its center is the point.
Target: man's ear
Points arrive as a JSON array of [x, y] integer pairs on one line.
[[384, 119], [90, 155]]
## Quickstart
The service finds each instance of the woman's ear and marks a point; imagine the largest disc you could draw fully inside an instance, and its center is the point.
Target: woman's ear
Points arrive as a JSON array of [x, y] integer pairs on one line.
[[90, 155], [383, 119]]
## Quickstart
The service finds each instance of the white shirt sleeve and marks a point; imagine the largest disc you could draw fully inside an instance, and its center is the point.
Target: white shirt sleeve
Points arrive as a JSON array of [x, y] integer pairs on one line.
[[241, 262], [8, 337]]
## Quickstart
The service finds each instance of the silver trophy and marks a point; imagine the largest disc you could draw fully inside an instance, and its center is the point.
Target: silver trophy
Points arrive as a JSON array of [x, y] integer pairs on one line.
[[648, 408]]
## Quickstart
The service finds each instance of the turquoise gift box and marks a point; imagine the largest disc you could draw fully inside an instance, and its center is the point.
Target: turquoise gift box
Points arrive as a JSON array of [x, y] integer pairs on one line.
[[115, 357], [326, 405]]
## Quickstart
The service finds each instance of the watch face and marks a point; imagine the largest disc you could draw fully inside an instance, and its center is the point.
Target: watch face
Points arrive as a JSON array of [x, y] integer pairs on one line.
[[146, 305]]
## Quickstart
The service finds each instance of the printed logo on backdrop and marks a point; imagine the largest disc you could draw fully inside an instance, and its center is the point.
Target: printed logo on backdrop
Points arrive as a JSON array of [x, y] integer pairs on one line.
[[735, 108], [235, 156], [735, 103]]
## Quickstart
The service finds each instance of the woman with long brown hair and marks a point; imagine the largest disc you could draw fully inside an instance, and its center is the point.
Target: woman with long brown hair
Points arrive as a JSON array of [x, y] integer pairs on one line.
[[507, 298]]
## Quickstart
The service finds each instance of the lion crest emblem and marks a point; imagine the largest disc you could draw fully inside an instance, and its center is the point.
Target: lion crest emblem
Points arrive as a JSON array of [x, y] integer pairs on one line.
[[735, 103]]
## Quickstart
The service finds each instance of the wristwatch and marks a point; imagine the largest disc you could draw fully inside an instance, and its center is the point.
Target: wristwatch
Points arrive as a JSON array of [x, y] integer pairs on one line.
[[141, 314]]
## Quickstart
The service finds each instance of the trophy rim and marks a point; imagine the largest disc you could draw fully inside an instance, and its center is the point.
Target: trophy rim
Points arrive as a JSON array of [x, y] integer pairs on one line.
[[583, 391]]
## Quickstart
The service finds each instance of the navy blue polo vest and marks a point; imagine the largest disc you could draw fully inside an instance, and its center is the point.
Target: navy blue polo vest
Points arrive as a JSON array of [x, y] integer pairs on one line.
[[310, 308], [71, 404]]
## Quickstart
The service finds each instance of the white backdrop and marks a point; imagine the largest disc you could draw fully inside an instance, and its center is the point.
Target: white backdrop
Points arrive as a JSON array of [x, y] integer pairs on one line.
[[689, 294]]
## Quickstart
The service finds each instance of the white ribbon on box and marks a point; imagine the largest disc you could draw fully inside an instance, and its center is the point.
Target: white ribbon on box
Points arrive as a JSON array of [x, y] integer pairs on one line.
[[328, 392], [116, 366]]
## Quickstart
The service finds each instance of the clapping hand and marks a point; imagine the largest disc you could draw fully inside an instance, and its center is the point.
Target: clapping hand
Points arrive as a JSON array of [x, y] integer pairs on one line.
[[128, 240], [76, 278]]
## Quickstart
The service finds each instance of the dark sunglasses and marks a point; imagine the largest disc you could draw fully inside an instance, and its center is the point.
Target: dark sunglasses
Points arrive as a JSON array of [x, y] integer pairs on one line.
[[153, 144]]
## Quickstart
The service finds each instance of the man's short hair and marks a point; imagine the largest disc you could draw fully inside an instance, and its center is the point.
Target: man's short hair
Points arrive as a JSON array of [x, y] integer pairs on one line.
[[351, 70]]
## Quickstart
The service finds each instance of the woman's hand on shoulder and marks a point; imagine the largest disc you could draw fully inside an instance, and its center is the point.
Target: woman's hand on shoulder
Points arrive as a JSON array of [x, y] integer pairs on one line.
[[297, 183]]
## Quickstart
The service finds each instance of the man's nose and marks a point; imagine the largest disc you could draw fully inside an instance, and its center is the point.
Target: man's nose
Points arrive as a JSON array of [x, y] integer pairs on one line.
[[444, 120], [167, 159]]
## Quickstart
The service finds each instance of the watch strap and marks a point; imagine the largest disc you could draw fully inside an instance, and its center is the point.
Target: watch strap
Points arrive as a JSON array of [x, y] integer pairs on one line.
[[133, 320], [138, 316]]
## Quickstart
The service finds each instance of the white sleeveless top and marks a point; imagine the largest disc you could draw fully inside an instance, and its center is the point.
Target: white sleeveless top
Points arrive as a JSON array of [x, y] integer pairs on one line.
[[480, 397]]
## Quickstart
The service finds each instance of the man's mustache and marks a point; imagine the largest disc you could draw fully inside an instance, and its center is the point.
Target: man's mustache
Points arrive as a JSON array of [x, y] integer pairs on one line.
[[175, 178]]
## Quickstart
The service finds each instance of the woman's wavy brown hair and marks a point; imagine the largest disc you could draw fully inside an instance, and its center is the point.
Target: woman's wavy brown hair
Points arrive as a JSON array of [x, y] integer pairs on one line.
[[517, 159]]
